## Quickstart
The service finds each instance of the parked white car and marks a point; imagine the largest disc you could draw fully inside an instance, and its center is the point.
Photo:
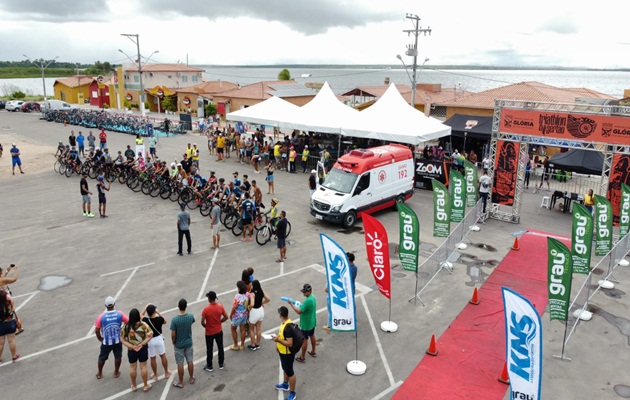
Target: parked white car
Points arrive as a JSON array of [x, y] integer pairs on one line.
[[14, 105]]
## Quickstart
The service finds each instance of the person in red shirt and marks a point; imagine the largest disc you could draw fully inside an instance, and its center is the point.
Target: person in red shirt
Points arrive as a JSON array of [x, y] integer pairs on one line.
[[212, 316], [103, 138]]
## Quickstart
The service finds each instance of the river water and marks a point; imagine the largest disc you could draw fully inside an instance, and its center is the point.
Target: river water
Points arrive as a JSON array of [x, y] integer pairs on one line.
[[343, 79]]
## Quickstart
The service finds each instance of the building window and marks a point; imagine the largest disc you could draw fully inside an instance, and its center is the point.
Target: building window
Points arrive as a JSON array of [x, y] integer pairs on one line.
[[438, 112], [195, 78], [136, 78], [169, 76], [184, 78]]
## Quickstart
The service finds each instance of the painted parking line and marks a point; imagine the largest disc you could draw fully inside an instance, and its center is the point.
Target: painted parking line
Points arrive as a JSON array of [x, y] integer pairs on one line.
[[127, 269], [26, 301], [378, 342], [205, 281], [387, 391]]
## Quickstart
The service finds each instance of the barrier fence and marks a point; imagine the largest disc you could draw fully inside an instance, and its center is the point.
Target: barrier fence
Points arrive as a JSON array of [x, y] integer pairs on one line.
[[579, 306], [446, 254]]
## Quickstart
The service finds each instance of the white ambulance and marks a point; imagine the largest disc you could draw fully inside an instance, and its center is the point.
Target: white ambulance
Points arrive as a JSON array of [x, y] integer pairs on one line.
[[364, 181]]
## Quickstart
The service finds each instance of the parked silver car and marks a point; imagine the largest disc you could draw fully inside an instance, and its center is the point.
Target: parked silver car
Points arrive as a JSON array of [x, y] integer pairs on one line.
[[14, 105]]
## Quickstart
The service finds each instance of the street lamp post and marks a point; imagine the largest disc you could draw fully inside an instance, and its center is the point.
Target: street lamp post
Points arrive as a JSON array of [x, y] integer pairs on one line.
[[42, 64]]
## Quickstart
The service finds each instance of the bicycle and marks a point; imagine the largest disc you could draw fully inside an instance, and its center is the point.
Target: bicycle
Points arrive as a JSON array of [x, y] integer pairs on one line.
[[264, 235]]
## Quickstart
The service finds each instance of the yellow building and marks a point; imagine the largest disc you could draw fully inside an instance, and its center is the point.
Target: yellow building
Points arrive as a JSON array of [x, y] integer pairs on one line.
[[73, 89]]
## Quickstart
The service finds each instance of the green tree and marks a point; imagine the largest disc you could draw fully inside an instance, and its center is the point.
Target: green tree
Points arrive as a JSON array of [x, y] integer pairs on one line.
[[18, 94], [170, 103], [284, 75], [210, 109]]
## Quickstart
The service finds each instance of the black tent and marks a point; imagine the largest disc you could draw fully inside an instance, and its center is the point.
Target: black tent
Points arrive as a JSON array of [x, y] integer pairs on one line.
[[474, 126], [580, 161]]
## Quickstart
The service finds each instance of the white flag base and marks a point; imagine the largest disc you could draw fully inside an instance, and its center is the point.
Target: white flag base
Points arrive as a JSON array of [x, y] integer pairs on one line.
[[475, 228], [583, 315], [389, 326], [462, 246], [624, 263], [606, 284], [356, 367]]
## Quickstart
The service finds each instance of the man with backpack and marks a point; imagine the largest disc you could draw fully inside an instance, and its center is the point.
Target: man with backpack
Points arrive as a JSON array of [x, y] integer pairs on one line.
[[248, 209], [308, 319], [287, 342]]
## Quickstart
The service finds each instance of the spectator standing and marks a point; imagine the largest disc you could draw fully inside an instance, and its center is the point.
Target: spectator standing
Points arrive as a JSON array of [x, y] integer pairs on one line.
[[102, 139], [81, 143], [195, 155], [8, 324], [589, 202], [486, 163], [91, 139], [108, 327], [284, 341], [308, 321], [72, 140], [152, 146], [257, 300], [215, 223], [248, 210], [485, 184], [292, 159], [312, 182], [269, 178], [156, 322], [220, 147], [212, 316], [181, 335], [238, 315], [305, 154], [183, 229], [85, 194], [136, 336], [15, 158], [281, 233], [102, 200]]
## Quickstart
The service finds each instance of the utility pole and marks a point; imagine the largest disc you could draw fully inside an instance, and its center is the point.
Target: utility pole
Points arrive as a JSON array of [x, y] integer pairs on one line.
[[42, 64], [412, 50], [136, 39]]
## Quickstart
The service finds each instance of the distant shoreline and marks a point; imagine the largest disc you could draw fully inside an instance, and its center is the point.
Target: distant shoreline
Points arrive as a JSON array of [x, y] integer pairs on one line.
[[399, 66]]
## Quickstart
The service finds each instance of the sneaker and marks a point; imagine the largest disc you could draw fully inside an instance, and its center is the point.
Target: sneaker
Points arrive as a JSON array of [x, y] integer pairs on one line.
[[284, 386], [220, 366], [90, 215], [208, 369], [256, 347], [85, 214], [291, 396], [252, 348]]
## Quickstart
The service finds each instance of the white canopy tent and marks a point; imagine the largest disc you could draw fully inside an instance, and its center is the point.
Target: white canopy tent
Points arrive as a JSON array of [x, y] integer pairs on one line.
[[391, 118], [268, 112], [324, 113]]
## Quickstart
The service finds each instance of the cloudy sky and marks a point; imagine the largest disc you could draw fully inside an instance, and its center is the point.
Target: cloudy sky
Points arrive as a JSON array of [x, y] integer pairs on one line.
[[262, 32]]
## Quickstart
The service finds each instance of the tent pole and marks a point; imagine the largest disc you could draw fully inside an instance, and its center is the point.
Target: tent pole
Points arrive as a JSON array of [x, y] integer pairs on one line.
[[339, 147]]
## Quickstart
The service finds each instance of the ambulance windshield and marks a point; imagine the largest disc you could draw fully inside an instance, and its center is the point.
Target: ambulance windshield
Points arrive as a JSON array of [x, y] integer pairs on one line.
[[340, 181]]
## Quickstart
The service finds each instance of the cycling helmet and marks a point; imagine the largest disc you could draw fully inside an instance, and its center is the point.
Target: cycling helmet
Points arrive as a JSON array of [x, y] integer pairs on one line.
[[173, 164]]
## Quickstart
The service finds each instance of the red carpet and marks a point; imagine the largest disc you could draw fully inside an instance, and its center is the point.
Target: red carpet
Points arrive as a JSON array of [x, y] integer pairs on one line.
[[472, 349]]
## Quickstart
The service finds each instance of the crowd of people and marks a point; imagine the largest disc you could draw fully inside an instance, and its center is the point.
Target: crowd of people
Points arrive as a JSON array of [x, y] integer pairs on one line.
[[142, 334]]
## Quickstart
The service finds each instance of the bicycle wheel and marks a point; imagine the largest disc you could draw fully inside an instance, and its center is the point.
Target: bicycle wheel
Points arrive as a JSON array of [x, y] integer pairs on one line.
[[94, 172], [69, 171], [263, 235], [62, 168], [110, 175], [184, 196], [145, 188], [237, 229], [288, 229], [165, 191], [156, 187], [56, 166], [122, 177], [174, 193], [194, 201], [230, 221], [205, 207], [137, 185]]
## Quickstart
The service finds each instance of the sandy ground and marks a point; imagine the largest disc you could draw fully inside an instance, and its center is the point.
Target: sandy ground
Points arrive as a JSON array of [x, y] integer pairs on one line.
[[35, 156]]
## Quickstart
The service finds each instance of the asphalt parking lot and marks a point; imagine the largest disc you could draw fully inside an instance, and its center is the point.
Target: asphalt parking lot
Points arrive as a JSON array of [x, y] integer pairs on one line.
[[69, 264]]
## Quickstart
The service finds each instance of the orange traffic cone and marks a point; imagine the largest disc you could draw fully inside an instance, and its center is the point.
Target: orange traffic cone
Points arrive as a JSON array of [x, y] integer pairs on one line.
[[475, 297], [515, 245], [432, 351], [504, 378]]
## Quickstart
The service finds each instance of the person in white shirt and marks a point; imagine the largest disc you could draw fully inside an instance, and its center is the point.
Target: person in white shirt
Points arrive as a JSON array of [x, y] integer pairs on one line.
[[485, 185]]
